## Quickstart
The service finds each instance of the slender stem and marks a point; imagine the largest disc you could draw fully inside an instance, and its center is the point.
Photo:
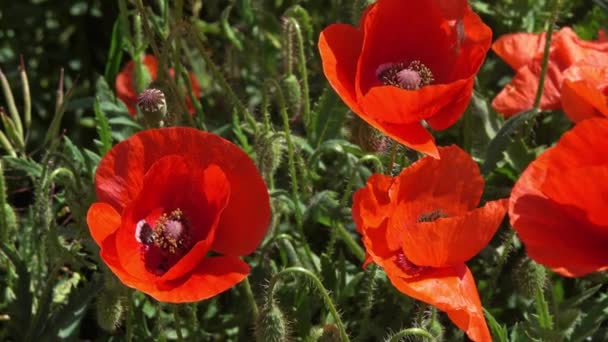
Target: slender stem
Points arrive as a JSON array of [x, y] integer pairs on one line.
[[324, 294], [507, 246], [303, 71], [350, 242], [295, 193], [3, 207], [250, 299], [129, 317], [392, 157], [542, 308], [178, 323], [411, 332], [369, 300], [545, 62]]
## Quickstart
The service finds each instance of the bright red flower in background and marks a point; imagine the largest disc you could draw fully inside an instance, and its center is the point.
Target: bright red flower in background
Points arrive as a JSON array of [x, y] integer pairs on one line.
[[524, 52], [585, 91], [423, 225], [125, 84], [168, 197], [405, 64], [558, 206]]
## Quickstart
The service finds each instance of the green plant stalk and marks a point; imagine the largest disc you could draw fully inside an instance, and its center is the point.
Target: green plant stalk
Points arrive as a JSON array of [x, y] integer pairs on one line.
[[6, 144], [353, 174], [217, 74], [350, 242], [27, 101], [411, 332], [542, 308], [3, 205], [293, 174], [322, 290], [368, 300], [129, 318], [178, 322], [288, 47], [507, 246], [246, 286], [139, 80], [124, 23], [303, 71], [547, 51], [10, 102], [391, 159]]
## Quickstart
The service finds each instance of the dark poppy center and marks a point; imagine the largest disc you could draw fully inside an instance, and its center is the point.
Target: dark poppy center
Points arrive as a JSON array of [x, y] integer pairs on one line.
[[431, 216], [165, 243], [409, 76], [409, 267]]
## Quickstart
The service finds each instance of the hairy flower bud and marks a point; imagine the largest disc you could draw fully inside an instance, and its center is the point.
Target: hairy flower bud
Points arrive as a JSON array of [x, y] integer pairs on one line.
[[271, 325]]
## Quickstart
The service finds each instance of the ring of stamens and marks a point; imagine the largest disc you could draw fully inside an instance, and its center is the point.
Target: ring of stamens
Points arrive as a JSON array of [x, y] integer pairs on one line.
[[431, 216], [409, 76]]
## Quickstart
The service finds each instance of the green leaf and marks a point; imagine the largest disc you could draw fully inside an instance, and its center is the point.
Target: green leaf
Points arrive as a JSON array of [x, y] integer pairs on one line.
[[228, 31], [64, 321], [21, 308], [30, 167], [328, 117], [103, 129], [115, 53], [499, 332], [504, 137]]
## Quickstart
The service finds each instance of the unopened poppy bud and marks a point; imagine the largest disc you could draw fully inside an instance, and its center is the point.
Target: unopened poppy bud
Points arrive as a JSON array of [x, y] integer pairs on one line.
[[529, 277], [293, 93], [269, 149], [110, 305], [153, 106], [271, 325], [369, 138]]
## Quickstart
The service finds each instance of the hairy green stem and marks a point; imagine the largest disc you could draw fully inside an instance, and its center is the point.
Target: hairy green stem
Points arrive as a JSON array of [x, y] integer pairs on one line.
[[303, 71], [322, 290], [3, 207], [217, 74], [547, 51], [250, 299], [545, 320], [507, 246], [10, 102], [368, 300], [350, 242], [291, 159], [178, 322], [411, 332]]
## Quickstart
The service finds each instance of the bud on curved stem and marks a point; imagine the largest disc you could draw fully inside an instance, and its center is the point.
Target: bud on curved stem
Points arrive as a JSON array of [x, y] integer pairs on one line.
[[322, 291]]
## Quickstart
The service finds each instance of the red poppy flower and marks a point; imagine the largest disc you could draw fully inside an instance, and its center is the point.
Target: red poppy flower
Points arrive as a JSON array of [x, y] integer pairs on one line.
[[585, 91], [423, 225], [125, 85], [405, 64], [558, 206], [167, 198], [524, 52]]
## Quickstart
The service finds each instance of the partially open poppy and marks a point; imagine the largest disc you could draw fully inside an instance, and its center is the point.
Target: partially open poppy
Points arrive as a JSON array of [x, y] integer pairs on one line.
[[125, 85], [423, 225], [585, 91], [558, 206], [167, 198], [404, 65], [524, 52]]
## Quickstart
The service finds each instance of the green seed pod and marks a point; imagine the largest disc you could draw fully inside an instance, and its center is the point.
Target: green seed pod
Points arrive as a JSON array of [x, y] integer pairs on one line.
[[271, 325], [369, 138], [269, 149]]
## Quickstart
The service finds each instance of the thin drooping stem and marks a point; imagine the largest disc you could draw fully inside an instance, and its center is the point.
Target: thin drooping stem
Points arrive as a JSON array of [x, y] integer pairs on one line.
[[250, 299], [547, 51], [411, 332], [178, 323]]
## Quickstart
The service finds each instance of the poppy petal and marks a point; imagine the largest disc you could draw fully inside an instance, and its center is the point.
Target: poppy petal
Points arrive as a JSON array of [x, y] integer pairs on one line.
[[519, 94], [452, 9], [453, 240], [211, 277], [103, 220], [119, 177], [370, 203], [414, 136], [543, 224], [519, 49], [582, 91], [452, 290], [427, 181], [340, 46], [568, 49]]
